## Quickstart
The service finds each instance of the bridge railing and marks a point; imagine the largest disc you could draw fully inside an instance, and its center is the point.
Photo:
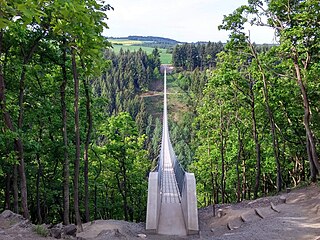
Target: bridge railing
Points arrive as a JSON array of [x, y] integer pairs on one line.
[[185, 183], [179, 172], [160, 162]]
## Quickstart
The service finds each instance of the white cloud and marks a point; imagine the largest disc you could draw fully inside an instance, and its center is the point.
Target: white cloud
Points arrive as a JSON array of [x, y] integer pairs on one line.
[[183, 20]]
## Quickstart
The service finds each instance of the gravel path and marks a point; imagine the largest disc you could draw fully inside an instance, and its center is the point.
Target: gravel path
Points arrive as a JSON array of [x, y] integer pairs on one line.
[[298, 218]]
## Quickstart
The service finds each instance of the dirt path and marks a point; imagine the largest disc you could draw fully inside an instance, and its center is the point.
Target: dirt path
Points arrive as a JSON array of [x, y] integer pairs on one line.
[[298, 218]]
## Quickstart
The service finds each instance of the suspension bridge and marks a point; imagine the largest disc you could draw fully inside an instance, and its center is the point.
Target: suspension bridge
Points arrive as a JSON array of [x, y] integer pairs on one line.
[[172, 201]]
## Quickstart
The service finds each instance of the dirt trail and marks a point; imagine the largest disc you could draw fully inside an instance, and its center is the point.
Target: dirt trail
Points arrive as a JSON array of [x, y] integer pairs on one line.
[[298, 218]]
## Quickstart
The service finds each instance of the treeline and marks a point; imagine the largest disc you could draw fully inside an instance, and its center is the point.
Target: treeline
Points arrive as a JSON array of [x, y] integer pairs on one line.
[[70, 146], [255, 124], [154, 39], [128, 74], [190, 56]]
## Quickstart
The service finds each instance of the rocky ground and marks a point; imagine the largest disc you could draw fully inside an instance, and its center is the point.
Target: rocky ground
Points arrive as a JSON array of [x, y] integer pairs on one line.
[[293, 215]]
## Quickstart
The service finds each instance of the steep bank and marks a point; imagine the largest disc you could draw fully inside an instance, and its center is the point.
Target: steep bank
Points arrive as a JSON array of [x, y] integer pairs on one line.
[[293, 215]]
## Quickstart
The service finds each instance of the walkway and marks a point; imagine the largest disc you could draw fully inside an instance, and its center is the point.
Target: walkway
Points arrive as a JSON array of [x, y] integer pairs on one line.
[[171, 210], [171, 220]]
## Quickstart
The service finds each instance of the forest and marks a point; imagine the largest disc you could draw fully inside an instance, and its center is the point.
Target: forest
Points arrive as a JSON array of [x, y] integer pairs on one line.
[[76, 139]]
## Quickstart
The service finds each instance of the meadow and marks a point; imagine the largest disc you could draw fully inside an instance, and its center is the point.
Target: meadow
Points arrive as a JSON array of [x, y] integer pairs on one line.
[[125, 44]]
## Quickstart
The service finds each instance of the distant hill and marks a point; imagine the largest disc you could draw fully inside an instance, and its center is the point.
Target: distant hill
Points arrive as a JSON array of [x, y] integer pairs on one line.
[[147, 41], [154, 39]]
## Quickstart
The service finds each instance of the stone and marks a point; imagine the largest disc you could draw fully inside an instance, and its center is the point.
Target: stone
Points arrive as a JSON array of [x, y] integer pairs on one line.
[[283, 199], [220, 213], [7, 214], [110, 234], [274, 208], [56, 231], [141, 235], [258, 212], [24, 223], [70, 230], [288, 190]]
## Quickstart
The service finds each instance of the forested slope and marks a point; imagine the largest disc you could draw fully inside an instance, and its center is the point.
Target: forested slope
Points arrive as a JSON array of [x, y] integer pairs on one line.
[[77, 140], [72, 124], [254, 112]]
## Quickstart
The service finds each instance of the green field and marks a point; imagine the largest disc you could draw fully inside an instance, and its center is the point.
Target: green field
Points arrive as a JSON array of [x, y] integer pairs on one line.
[[125, 44]]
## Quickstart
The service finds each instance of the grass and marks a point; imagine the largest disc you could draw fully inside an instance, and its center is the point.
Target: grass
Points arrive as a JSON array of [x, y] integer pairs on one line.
[[41, 230], [125, 42], [165, 58], [177, 104]]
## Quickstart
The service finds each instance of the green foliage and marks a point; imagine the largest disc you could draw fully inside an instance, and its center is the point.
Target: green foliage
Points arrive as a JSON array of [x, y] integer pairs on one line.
[[37, 39], [233, 118], [192, 56], [125, 163], [41, 230], [165, 58]]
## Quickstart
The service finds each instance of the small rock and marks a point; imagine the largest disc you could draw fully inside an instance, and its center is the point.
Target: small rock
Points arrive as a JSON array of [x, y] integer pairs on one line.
[[25, 223], [110, 234], [212, 229], [273, 207], [220, 213], [2, 232], [140, 235], [283, 199], [56, 231], [70, 230], [288, 190], [7, 214]]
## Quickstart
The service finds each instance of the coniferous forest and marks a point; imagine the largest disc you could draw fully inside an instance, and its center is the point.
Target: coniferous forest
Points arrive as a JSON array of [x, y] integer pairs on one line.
[[76, 138]]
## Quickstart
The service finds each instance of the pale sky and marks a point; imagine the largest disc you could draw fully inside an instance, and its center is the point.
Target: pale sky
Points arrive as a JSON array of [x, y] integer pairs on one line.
[[182, 20]]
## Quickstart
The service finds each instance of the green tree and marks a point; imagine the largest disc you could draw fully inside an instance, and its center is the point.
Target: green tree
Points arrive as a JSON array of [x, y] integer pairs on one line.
[[126, 163]]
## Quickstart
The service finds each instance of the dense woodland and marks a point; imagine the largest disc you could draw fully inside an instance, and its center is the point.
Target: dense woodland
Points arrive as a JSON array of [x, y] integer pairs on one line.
[[190, 56], [76, 140], [72, 147], [255, 115]]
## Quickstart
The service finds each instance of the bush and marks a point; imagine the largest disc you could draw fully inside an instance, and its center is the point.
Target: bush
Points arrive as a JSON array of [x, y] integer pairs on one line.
[[41, 230]]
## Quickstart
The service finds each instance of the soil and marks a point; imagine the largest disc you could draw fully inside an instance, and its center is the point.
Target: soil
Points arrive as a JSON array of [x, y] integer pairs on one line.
[[297, 218]]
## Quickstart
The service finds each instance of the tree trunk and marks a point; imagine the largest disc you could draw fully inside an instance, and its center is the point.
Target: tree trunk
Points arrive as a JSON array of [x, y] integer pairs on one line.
[[222, 159], [18, 142], [256, 140], [86, 149], [244, 179], [311, 146], [212, 179], [38, 190], [125, 192], [237, 167], [8, 123], [66, 171], [19, 145], [23, 179], [77, 141], [7, 191], [15, 189], [271, 119]]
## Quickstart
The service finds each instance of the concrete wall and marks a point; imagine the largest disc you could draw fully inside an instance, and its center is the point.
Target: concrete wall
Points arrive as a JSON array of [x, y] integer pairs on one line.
[[154, 202], [189, 204]]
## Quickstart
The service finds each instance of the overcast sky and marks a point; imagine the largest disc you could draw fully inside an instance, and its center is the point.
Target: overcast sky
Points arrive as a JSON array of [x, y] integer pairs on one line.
[[182, 20]]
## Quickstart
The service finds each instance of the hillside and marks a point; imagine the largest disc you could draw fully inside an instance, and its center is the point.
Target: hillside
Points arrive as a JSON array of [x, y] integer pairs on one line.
[[147, 44], [154, 39], [298, 218]]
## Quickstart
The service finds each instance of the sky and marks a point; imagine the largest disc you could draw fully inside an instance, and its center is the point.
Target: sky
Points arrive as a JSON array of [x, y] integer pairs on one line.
[[182, 20]]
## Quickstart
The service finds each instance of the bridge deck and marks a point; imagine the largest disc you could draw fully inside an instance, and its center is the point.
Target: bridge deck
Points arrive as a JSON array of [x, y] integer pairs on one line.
[[171, 221]]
